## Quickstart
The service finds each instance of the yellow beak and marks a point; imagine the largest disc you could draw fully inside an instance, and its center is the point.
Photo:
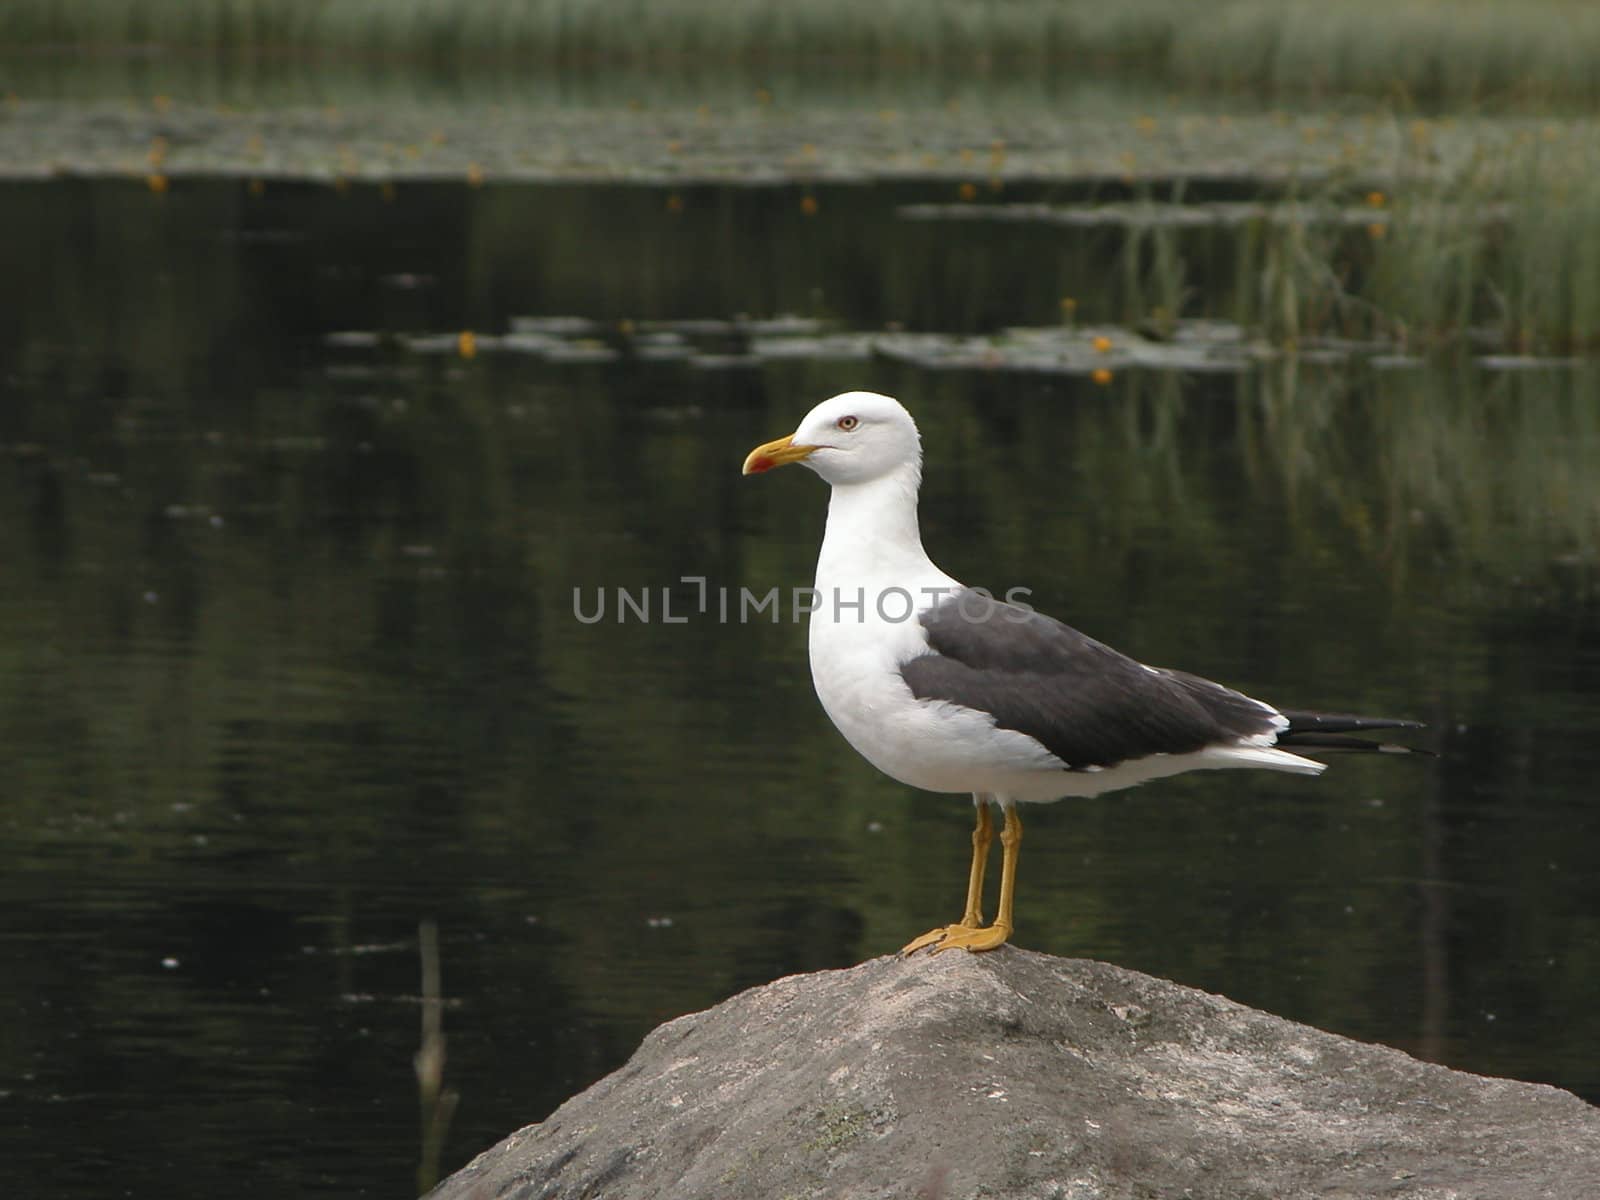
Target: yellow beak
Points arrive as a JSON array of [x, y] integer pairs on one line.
[[775, 454]]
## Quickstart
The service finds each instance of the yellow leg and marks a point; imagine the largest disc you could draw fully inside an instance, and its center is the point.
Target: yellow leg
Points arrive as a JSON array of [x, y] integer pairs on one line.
[[969, 934], [982, 839]]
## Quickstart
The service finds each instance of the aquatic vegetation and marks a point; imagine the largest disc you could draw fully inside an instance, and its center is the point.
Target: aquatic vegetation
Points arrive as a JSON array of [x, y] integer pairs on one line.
[[1498, 251], [1504, 255], [1191, 345], [1467, 49]]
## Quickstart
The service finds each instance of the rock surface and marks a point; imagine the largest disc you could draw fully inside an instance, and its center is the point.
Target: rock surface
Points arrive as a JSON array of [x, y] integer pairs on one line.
[[1014, 1074]]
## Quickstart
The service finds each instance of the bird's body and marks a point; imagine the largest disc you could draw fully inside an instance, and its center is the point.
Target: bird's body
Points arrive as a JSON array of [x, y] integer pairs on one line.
[[949, 690]]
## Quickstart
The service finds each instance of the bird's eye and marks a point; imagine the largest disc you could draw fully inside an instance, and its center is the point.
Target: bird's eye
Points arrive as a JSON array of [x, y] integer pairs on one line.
[[848, 423]]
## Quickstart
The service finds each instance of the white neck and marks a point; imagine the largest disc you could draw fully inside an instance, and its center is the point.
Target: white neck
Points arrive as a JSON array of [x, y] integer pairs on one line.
[[872, 532]]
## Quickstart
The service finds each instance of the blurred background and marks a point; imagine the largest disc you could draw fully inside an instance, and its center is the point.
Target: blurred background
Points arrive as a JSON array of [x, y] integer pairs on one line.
[[348, 348]]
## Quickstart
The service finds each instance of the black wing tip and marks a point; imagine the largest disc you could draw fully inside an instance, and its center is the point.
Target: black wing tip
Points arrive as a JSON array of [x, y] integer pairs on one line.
[[1313, 731], [1321, 722], [1325, 742], [1396, 748]]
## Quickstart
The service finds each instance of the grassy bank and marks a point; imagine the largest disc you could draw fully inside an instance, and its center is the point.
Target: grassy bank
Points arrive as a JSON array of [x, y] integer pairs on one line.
[[1433, 50]]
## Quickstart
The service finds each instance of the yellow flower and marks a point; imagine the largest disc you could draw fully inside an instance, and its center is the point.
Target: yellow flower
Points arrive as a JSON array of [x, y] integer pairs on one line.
[[1101, 344], [467, 344], [156, 182], [968, 191], [1101, 375]]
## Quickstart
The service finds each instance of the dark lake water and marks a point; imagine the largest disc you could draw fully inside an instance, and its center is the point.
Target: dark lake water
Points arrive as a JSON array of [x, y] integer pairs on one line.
[[289, 663]]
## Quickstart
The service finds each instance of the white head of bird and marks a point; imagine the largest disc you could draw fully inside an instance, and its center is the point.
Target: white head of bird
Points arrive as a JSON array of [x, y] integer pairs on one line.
[[852, 438]]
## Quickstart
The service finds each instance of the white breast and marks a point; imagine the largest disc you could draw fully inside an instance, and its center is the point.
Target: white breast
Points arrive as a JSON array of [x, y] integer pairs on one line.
[[856, 655], [873, 580]]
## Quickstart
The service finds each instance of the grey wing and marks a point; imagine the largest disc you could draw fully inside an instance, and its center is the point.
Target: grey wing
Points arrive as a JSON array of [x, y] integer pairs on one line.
[[1086, 703]]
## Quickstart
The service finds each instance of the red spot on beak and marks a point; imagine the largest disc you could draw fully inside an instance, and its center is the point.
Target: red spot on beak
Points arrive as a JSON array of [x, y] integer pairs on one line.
[[774, 454]]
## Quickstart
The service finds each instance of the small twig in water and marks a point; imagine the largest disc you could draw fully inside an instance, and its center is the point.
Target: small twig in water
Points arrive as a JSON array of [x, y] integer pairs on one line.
[[438, 1102]]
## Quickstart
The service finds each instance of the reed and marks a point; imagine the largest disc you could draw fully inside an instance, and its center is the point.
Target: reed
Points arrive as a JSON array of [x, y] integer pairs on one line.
[[1501, 255], [1507, 254], [1405, 49]]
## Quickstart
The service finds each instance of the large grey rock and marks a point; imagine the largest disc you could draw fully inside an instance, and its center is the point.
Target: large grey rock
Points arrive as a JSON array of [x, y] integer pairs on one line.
[[1013, 1074]]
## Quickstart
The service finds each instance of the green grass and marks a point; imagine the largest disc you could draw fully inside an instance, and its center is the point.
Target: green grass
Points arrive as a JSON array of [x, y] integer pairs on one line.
[[1503, 255], [1479, 50], [1499, 254]]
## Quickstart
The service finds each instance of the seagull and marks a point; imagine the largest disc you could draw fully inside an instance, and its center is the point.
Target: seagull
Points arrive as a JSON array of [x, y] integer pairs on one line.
[[945, 688]]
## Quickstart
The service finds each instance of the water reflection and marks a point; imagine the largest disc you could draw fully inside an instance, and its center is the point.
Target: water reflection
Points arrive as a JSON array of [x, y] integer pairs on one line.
[[290, 665]]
